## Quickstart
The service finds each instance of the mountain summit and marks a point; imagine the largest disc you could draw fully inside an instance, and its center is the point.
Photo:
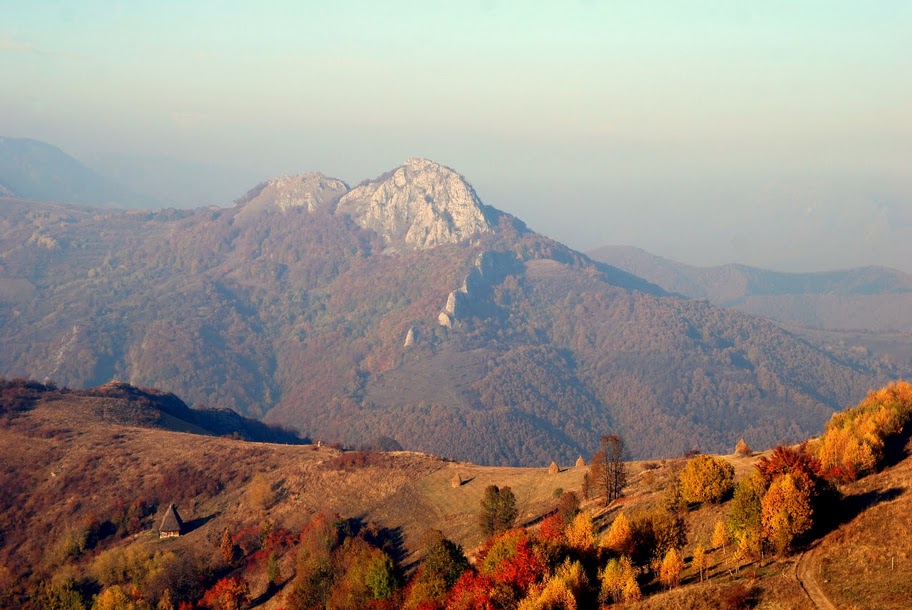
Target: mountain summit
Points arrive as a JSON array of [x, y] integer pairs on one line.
[[421, 204], [312, 191]]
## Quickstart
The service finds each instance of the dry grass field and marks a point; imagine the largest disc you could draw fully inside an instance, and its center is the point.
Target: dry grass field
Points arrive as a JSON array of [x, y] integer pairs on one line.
[[71, 460], [867, 562]]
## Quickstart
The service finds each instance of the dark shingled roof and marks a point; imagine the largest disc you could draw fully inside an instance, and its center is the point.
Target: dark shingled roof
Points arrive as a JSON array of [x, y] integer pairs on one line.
[[172, 521]]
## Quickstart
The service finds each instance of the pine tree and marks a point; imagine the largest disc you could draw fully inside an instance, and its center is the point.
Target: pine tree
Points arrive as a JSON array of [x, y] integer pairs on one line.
[[227, 548], [273, 571]]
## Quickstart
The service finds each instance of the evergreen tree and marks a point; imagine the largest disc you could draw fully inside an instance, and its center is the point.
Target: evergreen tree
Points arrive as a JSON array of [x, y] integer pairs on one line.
[[498, 510]]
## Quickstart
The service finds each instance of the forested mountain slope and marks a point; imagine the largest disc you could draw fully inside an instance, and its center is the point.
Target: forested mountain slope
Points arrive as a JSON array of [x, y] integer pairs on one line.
[[403, 308]]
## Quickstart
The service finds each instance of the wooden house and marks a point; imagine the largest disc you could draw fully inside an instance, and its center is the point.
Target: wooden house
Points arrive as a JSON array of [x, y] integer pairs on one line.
[[171, 526]]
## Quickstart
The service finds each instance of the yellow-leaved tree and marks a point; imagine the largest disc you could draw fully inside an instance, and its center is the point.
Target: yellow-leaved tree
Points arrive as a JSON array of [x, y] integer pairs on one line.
[[113, 598], [562, 590], [619, 538], [616, 576], [699, 560], [706, 479], [720, 535], [855, 439], [672, 566], [580, 534]]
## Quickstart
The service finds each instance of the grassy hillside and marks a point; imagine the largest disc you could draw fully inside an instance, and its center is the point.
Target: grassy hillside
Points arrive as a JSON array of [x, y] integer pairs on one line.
[[87, 478]]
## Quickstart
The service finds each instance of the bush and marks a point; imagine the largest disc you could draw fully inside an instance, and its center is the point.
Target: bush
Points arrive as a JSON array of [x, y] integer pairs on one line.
[[736, 597]]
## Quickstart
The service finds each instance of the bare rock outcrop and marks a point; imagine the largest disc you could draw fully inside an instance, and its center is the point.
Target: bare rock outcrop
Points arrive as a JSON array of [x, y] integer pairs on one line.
[[421, 204], [410, 337], [490, 268], [312, 191]]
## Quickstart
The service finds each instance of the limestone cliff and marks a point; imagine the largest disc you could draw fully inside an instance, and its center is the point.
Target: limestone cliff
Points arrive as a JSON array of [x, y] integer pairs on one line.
[[421, 204], [312, 191]]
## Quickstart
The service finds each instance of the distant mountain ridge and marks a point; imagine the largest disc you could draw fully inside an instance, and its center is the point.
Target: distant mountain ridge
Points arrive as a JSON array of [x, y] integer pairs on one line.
[[35, 170], [403, 309], [869, 298]]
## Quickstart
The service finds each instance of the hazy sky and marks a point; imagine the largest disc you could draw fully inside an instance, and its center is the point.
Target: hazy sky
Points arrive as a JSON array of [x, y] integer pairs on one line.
[[770, 133]]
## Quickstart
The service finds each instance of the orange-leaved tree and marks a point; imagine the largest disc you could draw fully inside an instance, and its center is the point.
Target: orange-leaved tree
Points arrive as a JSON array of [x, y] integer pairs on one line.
[[229, 593], [787, 510], [855, 440]]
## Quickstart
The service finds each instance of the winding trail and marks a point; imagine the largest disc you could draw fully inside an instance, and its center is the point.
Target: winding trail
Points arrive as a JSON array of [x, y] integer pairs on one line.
[[808, 583]]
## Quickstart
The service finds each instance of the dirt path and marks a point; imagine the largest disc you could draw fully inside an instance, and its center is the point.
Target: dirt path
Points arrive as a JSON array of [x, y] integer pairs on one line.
[[808, 583]]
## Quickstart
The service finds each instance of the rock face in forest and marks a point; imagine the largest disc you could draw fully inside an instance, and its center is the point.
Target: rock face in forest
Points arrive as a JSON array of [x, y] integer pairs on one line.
[[420, 204]]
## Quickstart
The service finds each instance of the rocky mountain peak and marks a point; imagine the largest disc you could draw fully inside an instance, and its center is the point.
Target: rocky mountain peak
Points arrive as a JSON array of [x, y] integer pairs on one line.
[[313, 191], [420, 204]]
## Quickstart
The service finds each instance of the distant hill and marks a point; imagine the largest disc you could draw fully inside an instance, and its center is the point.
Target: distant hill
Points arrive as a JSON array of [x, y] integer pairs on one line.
[[35, 170], [404, 309], [869, 298]]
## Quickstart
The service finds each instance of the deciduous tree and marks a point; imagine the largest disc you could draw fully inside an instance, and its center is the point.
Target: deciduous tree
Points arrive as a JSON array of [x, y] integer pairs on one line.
[[230, 593], [114, 598], [619, 538], [744, 515], [607, 470], [720, 536], [617, 573], [699, 560], [706, 479], [568, 506], [580, 534], [787, 511], [672, 565]]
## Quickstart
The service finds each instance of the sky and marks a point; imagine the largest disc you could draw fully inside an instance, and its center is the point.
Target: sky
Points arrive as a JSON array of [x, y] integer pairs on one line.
[[775, 133]]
